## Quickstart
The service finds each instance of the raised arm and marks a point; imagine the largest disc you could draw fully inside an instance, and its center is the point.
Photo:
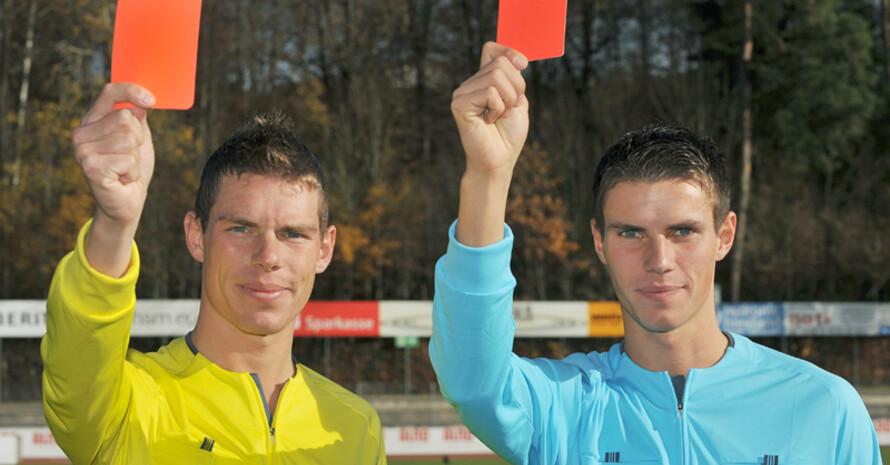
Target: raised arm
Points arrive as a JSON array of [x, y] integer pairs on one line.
[[491, 113], [86, 387], [507, 402]]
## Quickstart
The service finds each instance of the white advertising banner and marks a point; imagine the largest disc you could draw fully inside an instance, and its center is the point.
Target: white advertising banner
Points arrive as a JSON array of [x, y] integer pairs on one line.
[[160, 317], [432, 441], [35, 444], [837, 319], [154, 317], [406, 318], [22, 318], [9, 450], [551, 319], [533, 319], [882, 427]]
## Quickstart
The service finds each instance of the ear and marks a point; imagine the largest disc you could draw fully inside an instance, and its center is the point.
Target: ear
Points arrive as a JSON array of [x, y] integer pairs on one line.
[[327, 249], [598, 241], [194, 236], [726, 235]]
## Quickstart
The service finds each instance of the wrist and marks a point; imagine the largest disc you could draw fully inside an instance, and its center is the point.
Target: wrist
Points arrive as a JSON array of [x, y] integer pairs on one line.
[[108, 244]]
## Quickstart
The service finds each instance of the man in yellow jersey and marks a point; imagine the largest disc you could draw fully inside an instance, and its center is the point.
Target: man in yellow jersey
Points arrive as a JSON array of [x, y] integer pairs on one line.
[[229, 392]]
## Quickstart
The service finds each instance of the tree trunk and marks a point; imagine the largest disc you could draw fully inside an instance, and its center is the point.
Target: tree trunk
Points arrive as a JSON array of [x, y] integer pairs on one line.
[[5, 60], [421, 24], [828, 213], [23, 96], [885, 15], [6, 274], [644, 24], [745, 182]]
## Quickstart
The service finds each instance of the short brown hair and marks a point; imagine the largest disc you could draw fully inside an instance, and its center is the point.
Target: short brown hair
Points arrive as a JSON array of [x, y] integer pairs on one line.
[[265, 145], [661, 153]]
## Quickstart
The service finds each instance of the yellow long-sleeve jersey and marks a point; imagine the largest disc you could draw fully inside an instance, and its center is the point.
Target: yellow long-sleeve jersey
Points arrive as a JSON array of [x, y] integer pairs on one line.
[[106, 404]]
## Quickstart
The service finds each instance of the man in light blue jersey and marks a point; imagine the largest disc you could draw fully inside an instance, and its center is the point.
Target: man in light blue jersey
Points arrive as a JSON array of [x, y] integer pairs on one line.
[[678, 390]]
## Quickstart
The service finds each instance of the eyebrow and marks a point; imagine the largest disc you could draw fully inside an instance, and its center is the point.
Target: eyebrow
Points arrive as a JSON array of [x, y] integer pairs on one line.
[[688, 224], [691, 224], [624, 227], [235, 219]]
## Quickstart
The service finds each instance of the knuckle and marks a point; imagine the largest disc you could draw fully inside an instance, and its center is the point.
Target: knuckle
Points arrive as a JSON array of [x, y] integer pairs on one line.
[[77, 136], [122, 117], [131, 140], [123, 122], [89, 165], [520, 86], [502, 60], [82, 153], [455, 106]]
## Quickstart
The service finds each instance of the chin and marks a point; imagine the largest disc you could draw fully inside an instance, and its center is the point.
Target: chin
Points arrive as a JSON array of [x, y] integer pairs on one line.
[[266, 327]]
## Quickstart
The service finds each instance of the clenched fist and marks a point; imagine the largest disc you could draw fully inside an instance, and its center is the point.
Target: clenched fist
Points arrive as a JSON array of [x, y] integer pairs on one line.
[[116, 154]]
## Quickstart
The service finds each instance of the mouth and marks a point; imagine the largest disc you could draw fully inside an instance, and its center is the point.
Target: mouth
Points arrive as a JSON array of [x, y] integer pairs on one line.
[[263, 291], [659, 292]]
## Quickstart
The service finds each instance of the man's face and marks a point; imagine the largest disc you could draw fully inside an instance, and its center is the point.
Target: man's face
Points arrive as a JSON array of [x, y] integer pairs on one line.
[[660, 247], [261, 251]]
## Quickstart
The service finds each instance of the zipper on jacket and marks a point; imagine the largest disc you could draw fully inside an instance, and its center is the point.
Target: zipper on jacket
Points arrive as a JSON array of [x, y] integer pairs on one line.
[[681, 415], [274, 420], [267, 412]]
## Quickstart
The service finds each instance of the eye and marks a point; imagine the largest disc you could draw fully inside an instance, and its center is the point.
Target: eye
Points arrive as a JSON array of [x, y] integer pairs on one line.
[[630, 234], [238, 229], [684, 232]]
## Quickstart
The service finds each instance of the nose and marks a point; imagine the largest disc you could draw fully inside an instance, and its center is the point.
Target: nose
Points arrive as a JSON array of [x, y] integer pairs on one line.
[[266, 255], [659, 258]]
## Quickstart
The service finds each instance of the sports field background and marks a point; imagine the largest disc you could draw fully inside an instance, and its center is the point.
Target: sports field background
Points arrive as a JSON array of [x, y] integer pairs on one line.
[[885, 457]]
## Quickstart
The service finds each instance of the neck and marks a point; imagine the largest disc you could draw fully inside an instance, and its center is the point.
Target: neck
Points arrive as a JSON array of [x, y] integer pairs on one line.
[[676, 351], [269, 356]]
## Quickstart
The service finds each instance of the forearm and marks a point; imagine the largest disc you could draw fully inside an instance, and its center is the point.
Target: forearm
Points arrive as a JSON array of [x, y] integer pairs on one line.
[[483, 204]]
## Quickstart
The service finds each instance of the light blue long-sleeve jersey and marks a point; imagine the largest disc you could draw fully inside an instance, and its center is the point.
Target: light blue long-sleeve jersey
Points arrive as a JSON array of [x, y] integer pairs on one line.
[[755, 406]]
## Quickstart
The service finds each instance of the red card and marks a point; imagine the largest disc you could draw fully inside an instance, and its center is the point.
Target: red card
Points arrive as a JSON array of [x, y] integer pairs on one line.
[[537, 28], [156, 46]]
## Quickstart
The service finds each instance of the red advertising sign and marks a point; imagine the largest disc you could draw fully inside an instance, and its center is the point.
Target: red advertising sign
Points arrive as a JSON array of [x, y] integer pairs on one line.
[[339, 318]]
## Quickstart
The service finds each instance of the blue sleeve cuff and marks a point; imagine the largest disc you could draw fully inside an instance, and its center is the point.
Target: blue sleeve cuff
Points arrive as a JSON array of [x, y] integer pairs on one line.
[[479, 270]]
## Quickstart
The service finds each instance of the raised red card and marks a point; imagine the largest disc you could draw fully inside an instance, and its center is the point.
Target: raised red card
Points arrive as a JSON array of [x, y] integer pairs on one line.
[[537, 28], [156, 46]]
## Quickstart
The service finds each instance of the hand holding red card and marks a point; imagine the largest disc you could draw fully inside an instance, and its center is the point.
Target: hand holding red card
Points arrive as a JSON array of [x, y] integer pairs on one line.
[[535, 28], [156, 46]]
